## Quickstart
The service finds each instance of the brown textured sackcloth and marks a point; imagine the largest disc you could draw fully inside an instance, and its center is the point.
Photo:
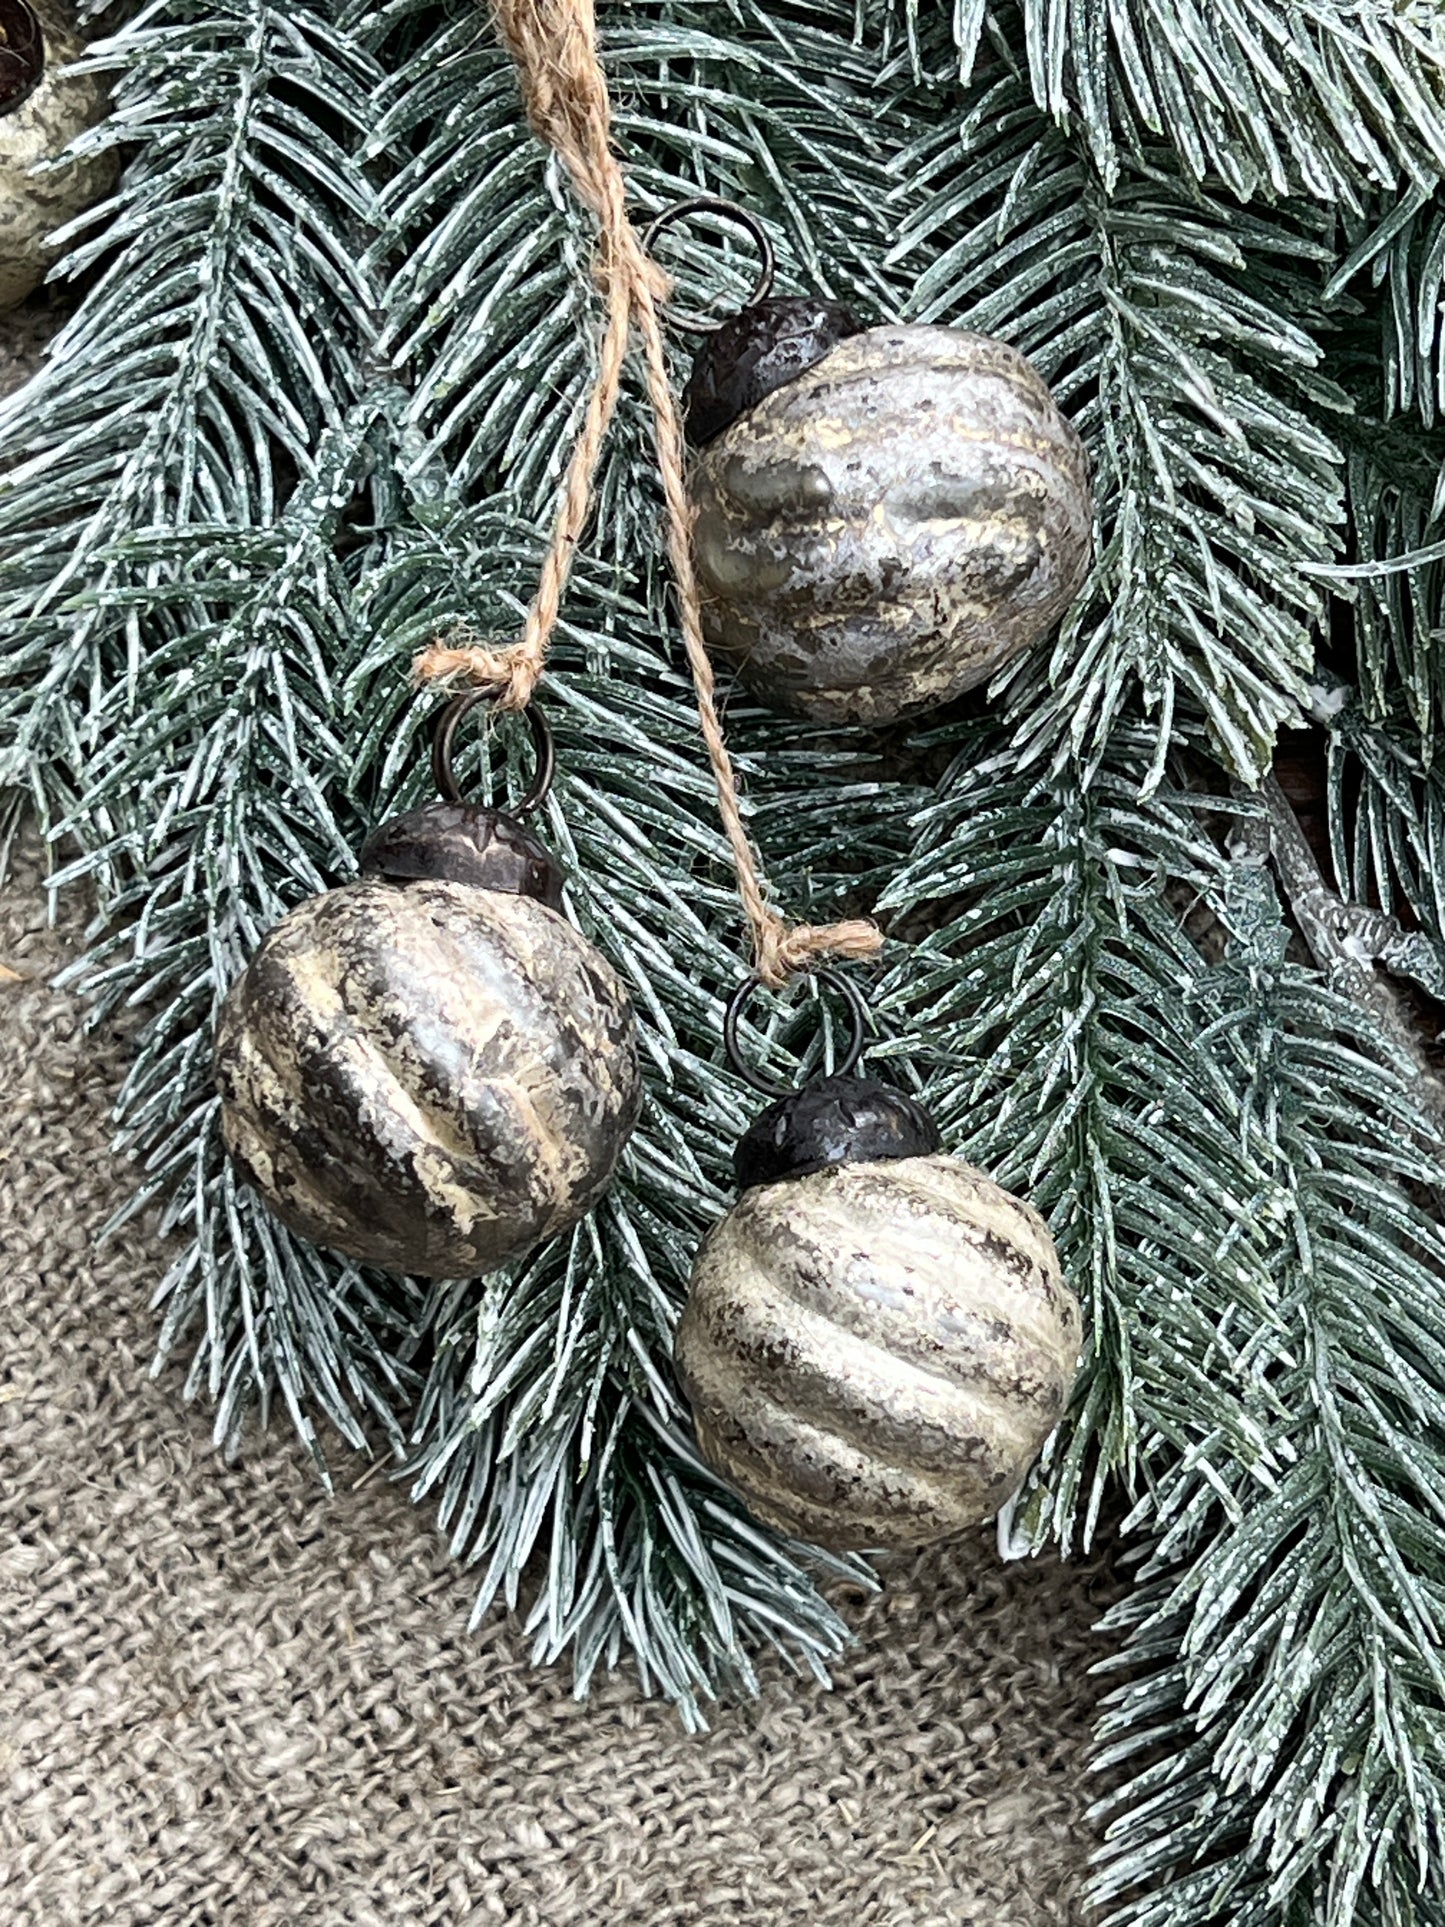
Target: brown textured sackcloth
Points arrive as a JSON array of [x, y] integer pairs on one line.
[[231, 1701]]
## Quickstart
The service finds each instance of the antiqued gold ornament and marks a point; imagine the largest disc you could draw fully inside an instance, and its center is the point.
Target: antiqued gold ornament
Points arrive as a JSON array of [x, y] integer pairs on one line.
[[877, 1339], [43, 107], [431, 1070], [885, 530], [883, 517]]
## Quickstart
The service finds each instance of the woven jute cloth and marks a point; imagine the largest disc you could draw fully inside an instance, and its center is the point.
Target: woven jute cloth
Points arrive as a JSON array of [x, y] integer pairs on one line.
[[228, 1697]]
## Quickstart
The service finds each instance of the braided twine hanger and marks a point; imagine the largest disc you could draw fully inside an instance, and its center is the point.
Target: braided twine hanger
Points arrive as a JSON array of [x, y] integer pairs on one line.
[[554, 45]]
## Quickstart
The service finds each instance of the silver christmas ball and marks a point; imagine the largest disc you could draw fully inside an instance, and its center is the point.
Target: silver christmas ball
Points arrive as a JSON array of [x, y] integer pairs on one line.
[[875, 1352], [888, 528], [428, 1076]]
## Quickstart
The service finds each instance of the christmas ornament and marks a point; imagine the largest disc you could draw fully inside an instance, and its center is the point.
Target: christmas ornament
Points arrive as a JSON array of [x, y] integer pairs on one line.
[[884, 516], [430, 1069], [43, 106], [877, 1340]]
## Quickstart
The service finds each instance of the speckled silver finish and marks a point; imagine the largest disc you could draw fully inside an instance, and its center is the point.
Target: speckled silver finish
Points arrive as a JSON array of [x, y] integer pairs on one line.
[[427, 1076], [887, 530], [33, 205], [875, 1353]]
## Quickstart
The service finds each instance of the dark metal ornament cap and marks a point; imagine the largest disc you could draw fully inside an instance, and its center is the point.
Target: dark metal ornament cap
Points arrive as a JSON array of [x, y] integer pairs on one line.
[[766, 345], [837, 1120], [464, 843]]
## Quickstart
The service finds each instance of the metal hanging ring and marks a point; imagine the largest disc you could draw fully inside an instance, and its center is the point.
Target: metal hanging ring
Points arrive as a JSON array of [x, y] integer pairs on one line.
[[445, 735], [732, 1017], [702, 324]]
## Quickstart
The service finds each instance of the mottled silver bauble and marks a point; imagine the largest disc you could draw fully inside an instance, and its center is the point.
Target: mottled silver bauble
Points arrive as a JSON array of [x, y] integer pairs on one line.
[[44, 115], [886, 530], [428, 1076], [876, 1352]]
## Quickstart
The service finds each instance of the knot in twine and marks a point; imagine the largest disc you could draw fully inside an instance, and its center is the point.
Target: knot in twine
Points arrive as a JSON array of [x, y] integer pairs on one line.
[[554, 46]]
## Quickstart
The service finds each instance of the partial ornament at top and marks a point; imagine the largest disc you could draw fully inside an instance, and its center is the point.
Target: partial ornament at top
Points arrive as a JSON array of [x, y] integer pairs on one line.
[[44, 105], [885, 516]]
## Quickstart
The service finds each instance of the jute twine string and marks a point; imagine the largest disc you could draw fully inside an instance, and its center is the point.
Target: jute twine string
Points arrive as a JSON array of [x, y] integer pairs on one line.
[[554, 45]]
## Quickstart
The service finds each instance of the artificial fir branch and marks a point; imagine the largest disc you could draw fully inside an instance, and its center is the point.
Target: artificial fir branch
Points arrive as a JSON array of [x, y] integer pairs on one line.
[[1288, 1695], [1177, 332], [1330, 100], [550, 1395], [1161, 1112], [211, 353], [1058, 1001], [331, 347]]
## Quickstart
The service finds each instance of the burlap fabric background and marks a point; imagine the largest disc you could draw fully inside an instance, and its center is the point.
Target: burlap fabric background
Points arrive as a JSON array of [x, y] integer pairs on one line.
[[229, 1700]]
